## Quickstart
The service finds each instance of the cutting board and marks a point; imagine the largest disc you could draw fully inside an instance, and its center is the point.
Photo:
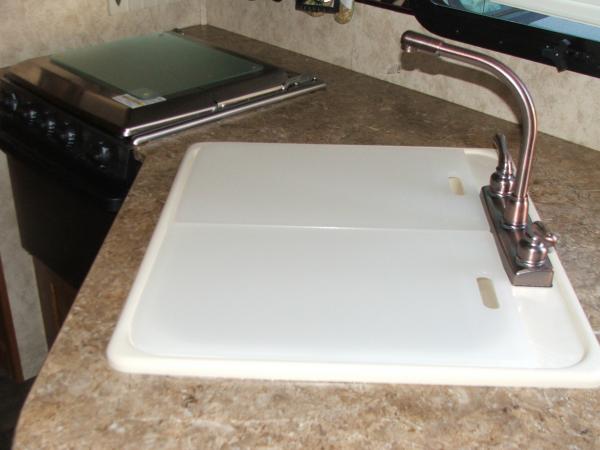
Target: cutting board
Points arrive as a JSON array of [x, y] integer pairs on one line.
[[343, 263]]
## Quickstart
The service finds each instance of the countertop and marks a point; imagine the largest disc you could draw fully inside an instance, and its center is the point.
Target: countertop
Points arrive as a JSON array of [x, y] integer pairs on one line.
[[78, 401]]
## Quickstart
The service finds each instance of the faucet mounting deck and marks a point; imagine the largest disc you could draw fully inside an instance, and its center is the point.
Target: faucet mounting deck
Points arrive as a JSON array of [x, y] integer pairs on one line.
[[523, 245]]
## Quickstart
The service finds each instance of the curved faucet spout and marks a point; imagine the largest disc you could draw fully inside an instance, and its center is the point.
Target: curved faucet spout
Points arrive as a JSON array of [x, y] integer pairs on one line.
[[516, 211], [523, 247]]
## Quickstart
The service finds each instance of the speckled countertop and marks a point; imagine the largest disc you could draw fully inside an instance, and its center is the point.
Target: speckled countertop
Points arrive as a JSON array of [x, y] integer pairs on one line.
[[79, 402]]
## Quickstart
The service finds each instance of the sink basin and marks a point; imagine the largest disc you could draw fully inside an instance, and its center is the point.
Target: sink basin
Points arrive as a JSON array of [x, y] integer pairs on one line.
[[343, 263]]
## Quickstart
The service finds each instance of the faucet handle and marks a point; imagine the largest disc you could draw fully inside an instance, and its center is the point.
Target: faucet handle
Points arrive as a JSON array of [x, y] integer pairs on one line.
[[532, 249], [541, 230], [503, 179]]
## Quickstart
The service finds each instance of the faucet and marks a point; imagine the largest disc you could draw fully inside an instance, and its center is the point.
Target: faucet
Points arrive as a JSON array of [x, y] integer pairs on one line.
[[523, 245]]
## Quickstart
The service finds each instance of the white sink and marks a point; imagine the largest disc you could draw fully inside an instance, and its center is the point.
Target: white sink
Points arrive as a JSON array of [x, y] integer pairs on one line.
[[343, 263]]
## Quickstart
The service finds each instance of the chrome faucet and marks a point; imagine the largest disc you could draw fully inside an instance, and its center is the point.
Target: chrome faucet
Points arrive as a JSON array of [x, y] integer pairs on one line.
[[523, 245]]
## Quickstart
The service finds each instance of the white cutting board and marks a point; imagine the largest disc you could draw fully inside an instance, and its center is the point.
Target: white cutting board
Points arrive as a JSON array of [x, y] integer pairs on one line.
[[342, 263]]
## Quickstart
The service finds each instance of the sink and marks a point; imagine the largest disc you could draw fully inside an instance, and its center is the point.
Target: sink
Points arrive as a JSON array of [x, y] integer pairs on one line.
[[343, 263]]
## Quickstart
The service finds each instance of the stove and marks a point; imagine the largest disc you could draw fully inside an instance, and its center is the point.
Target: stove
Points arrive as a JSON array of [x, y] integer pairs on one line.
[[93, 105], [70, 124]]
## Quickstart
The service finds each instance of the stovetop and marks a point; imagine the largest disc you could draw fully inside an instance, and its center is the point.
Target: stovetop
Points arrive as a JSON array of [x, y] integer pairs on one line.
[[158, 65], [92, 106], [141, 84]]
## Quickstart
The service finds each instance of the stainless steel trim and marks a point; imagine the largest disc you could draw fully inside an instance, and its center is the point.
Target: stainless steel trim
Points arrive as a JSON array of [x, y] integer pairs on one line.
[[45, 78], [83, 94], [284, 95], [242, 98], [127, 132]]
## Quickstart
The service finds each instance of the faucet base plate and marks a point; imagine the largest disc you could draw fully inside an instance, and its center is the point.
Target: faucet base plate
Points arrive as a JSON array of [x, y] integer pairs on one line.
[[507, 241]]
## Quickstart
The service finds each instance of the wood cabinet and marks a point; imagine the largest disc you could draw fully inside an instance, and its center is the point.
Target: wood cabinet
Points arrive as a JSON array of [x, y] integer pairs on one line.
[[10, 360], [56, 298]]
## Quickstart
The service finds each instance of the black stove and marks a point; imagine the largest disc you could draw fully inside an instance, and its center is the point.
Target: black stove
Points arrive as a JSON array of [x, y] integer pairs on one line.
[[70, 123], [93, 105]]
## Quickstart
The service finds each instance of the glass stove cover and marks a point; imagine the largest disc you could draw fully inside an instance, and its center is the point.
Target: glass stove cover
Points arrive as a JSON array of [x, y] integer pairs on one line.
[[156, 65]]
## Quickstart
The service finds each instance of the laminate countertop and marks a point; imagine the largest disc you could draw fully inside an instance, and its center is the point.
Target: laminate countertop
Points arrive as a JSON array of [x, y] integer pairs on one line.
[[78, 401]]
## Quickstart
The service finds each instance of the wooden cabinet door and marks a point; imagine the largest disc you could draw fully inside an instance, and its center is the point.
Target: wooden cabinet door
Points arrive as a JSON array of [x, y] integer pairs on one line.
[[10, 360], [56, 298]]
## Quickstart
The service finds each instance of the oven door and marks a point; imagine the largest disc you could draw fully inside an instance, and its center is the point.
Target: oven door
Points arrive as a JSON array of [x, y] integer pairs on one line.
[[59, 224], [63, 217]]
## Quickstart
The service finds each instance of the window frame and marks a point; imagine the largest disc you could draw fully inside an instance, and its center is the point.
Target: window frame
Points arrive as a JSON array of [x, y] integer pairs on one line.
[[561, 50]]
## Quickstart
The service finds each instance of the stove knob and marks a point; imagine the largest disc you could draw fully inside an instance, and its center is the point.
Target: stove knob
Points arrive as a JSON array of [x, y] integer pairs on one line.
[[68, 135], [48, 125], [10, 102], [102, 153], [29, 114]]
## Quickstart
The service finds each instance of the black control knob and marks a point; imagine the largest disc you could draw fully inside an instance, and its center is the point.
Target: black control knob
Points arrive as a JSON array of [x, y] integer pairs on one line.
[[10, 101], [30, 114], [68, 135], [48, 125], [102, 153]]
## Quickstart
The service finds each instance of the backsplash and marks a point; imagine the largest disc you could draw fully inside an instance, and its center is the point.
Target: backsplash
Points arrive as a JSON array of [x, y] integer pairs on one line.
[[370, 44], [39, 27]]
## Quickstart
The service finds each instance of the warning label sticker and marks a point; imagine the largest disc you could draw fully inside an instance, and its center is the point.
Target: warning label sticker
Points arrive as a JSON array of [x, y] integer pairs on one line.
[[134, 102]]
